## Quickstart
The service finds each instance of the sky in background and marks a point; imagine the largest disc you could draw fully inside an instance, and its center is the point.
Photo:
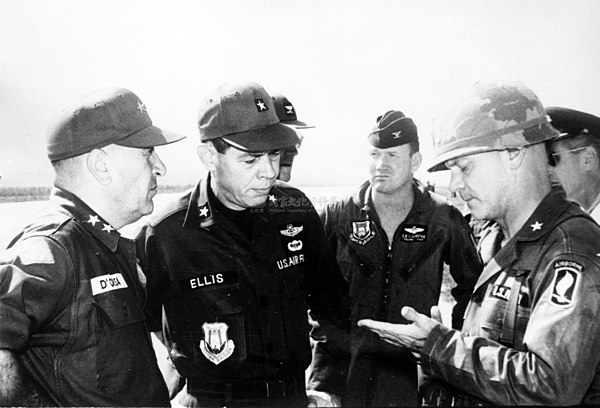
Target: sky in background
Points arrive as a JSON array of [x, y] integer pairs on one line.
[[341, 63]]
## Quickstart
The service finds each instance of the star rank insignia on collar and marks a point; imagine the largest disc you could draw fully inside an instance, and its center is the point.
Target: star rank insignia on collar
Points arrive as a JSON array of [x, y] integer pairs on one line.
[[142, 107], [204, 211], [536, 226], [108, 228], [93, 220], [260, 105], [272, 198]]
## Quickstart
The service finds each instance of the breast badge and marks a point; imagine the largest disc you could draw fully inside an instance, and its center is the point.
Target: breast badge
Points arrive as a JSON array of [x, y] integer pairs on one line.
[[215, 346], [362, 232]]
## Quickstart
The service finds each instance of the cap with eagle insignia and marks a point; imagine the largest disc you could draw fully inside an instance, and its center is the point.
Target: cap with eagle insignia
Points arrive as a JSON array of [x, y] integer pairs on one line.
[[393, 129]]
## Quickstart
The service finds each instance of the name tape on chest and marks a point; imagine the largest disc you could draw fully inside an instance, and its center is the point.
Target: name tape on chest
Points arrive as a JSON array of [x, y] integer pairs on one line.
[[106, 283], [208, 280], [414, 233]]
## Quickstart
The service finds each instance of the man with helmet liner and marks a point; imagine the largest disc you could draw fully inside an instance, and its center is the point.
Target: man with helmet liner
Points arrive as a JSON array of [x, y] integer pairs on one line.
[[530, 334]]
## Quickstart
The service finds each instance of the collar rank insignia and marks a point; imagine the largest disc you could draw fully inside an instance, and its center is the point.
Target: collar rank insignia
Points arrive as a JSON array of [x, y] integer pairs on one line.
[[215, 346], [362, 232], [204, 211], [291, 231], [566, 277]]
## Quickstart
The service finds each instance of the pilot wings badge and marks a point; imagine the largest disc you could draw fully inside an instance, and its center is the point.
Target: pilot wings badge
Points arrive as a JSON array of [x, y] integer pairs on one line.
[[291, 231], [362, 232], [215, 346]]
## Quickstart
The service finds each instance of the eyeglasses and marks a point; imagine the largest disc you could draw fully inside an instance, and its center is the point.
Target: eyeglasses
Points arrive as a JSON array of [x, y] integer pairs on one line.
[[554, 157]]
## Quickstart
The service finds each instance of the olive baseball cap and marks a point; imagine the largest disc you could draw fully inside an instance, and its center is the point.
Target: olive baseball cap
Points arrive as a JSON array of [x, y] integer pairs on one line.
[[108, 116], [244, 116], [393, 128]]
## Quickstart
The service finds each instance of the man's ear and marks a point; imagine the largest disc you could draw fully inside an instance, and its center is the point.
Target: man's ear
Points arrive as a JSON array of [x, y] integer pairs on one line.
[[208, 155], [416, 160], [589, 158], [98, 166]]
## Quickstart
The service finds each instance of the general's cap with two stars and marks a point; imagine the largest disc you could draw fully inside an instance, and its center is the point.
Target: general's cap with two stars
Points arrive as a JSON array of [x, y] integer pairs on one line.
[[108, 116], [393, 129], [571, 122]]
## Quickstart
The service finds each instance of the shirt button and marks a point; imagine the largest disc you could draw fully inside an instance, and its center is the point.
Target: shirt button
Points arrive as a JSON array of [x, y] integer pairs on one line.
[[499, 323]]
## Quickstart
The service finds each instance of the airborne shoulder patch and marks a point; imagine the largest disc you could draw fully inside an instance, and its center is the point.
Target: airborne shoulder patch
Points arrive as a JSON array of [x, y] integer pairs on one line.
[[566, 278]]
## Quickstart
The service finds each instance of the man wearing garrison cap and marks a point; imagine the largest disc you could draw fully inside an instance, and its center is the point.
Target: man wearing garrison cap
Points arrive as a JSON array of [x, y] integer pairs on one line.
[[391, 240], [574, 156]]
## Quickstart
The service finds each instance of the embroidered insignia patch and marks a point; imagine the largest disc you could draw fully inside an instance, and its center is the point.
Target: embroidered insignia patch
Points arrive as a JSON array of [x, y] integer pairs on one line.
[[215, 346], [414, 233], [295, 245], [260, 105], [566, 278], [362, 232], [106, 283], [291, 231]]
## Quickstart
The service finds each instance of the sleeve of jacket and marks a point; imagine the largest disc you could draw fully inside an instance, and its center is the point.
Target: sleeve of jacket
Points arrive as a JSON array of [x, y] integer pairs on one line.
[[562, 343], [464, 264], [329, 317], [36, 284], [157, 277]]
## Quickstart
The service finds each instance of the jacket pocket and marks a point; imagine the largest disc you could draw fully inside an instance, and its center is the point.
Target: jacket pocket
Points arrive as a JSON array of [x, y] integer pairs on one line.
[[211, 327], [121, 338]]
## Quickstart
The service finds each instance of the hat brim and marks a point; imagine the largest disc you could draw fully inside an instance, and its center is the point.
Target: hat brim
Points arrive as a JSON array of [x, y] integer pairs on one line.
[[150, 137], [274, 137], [297, 124], [439, 163]]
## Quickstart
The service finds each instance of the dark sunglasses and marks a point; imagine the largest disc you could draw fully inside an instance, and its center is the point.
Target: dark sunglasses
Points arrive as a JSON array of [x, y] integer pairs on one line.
[[554, 157]]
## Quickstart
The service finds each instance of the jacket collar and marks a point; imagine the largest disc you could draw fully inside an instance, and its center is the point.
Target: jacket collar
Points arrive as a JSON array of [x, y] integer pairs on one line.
[[85, 216], [537, 226], [422, 200], [200, 210]]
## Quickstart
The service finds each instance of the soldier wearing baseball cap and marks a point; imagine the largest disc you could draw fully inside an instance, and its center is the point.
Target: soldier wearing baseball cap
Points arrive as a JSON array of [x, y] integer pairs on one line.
[[73, 331], [393, 237], [530, 334], [286, 112], [574, 156], [238, 262]]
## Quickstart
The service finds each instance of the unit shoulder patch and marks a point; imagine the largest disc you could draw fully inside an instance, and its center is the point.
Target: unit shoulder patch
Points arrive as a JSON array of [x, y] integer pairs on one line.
[[566, 278]]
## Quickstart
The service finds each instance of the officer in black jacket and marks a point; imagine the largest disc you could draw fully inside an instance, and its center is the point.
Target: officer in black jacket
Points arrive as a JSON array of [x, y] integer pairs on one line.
[[236, 264]]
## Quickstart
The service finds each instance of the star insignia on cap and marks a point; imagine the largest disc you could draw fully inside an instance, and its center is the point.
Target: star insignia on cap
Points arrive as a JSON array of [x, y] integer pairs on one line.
[[204, 211], [108, 228], [536, 226], [93, 220], [260, 104], [272, 198], [141, 107], [397, 134], [289, 109]]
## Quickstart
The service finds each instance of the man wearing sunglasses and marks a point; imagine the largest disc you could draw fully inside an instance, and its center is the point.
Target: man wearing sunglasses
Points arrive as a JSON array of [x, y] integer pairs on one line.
[[574, 157]]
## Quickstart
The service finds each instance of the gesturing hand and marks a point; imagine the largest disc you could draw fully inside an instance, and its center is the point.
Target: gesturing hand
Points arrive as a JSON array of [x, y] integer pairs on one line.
[[411, 336]]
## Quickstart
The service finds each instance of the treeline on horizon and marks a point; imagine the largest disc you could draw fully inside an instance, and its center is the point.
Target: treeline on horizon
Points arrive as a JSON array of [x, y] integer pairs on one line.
[[22, 194]]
